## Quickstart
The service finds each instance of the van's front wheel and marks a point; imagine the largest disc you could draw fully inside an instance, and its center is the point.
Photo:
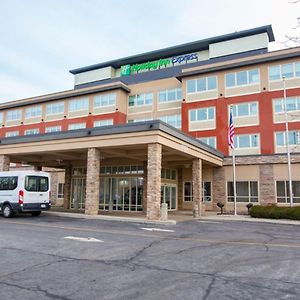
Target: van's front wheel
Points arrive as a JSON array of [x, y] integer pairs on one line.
[[36, 213], [7, 211]]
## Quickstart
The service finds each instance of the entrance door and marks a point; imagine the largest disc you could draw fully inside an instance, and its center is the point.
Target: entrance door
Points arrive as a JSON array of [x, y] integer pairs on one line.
[[169, 195], [78, 192]]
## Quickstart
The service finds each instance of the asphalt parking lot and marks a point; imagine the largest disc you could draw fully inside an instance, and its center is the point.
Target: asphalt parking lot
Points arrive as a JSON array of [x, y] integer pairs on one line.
[[52, 257]]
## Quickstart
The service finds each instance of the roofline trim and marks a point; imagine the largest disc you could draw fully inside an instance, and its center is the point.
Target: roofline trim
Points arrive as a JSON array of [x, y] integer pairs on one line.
[[178, 49]]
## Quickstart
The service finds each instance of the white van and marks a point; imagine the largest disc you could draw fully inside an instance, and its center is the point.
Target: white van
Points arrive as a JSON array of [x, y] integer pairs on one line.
[[24, 191]]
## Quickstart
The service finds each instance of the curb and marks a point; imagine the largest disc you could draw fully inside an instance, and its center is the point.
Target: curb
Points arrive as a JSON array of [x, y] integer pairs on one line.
[[249, 219], [109, 218]]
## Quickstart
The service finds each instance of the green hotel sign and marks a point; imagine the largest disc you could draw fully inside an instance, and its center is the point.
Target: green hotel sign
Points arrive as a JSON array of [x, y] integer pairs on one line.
[[149, 65], [157, 64]]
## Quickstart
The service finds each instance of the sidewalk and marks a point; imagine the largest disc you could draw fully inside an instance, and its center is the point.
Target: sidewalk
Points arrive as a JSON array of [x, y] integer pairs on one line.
[[247, 218]]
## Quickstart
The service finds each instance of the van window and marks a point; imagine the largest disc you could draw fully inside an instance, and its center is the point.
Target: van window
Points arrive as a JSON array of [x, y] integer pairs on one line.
[[36, 184], [8, 183]]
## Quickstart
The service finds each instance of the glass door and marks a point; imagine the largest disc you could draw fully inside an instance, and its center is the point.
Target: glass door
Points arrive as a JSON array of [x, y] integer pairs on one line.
[[169, 195], [78, 193]]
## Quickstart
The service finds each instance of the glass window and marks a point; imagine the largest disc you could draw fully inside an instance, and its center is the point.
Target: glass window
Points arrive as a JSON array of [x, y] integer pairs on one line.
[[283, 191], [202, 114], [287, 70], [1, 117], [103, 123], [77, 126], [230, 80], [105, 100], [8, 183], [246, 191], [244, 109], [170, 95], [60, 190], [246, 141], [211, 141], [253, 76], [201, 85], [36, 183], [188, 192], [173, 120], [191, 86], [53, 129], [33, 112], [79, 104], [11, 133], [13, 115], [297, 69], [140, 99], [212, 83], [31, 131], [241, 78], [274, 73], [55, 108], [281, 138]]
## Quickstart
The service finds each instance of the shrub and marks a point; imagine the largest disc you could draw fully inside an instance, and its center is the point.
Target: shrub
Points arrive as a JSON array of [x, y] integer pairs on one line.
[[275, 212]]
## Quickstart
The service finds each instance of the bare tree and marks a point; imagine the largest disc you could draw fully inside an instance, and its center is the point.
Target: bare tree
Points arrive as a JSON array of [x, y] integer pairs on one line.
[[294, 39]]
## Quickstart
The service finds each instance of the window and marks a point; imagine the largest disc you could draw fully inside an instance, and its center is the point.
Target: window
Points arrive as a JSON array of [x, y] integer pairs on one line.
[[202, 114], [79, 104], [105, 100], [13, 115], [173, 120], [8, 183], [211, 141], [31, 131], [170, 95], [53, 129], [203, 84], [60, 190], [290, 70], [55, 108], [33, 112], [77, 126], [141, 99], [11, 133], [246, 141], [246, 191], [36, 183], [1, 117], [188, 191], [242, 78], [103, 123], [121, 170], [245, 109], [168, 174], [283, 191], [292, 104], [281, 138]]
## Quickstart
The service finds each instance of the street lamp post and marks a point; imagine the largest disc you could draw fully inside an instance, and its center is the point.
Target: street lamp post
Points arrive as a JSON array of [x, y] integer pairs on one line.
[[287, 144]]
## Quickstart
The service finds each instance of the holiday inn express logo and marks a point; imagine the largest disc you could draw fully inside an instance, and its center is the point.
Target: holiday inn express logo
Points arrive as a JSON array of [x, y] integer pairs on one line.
[[157, 64]]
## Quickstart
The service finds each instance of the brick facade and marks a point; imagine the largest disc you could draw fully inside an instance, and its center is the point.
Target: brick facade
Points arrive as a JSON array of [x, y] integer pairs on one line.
[[218, 187]]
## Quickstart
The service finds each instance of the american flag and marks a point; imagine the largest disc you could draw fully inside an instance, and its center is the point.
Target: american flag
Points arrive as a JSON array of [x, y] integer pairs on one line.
[[231, 132]]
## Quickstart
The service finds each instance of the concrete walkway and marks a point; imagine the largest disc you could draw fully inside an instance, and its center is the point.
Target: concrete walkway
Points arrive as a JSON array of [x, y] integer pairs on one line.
[[174, 217]]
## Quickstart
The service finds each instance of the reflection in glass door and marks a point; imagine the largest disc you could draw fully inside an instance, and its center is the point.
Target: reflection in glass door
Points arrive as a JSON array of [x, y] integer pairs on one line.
[[169, 196]]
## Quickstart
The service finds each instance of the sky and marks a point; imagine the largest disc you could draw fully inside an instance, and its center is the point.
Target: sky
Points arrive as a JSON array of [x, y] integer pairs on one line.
[[41, 40]]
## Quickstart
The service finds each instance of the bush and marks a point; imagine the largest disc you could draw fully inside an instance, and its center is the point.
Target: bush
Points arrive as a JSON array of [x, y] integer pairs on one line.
[[275, 212]]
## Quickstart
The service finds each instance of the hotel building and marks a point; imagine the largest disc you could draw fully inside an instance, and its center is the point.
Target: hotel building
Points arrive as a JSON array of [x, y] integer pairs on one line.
[[152, 128]]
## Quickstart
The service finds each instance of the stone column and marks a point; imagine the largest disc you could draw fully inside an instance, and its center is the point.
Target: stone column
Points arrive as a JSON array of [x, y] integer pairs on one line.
[[145, 178], [4, 163], [266, 184], [218, 188], [197, 187], [179, 188], [154, 181], [92, 182], [67, 187]]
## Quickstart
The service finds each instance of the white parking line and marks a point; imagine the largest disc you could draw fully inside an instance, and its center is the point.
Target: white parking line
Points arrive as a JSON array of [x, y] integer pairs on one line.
[[158, 229], [81, 239]]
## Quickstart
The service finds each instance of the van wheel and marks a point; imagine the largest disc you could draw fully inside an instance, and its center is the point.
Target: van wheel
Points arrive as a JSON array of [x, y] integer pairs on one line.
[[7, 211], [36, 213]]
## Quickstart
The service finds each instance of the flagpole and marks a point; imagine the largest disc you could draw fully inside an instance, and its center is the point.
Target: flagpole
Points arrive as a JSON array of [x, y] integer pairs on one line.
[[234, 181], [233, 167]]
